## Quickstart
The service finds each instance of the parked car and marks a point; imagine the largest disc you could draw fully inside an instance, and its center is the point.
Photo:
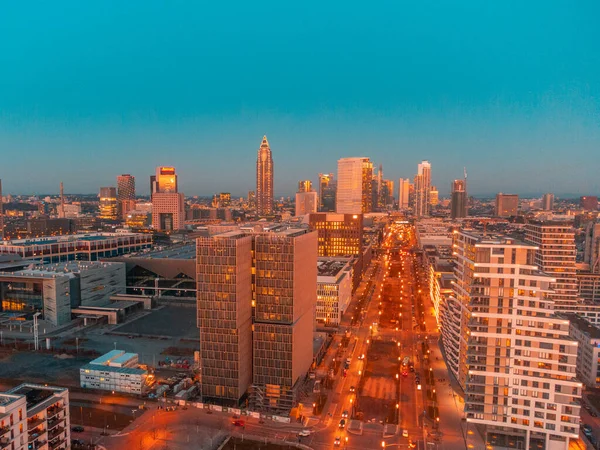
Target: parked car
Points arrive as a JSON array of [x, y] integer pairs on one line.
[[77, 429]]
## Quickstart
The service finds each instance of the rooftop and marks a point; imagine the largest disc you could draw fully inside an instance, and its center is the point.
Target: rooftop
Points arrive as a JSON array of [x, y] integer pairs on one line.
[[35, 393], [181, 251], [66, 239], [330, 267], [126, 370], [584, 326]]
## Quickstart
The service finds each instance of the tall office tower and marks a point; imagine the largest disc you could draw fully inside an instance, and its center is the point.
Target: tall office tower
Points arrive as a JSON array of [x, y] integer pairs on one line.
[[1, 214], [434, 196], [589, 202], [61, 208], [387, 193], [591, 253], [264, 179], [304, 186], [515, 359], [251, 199], [422, 189], [556, 256], [108, 203], [306, 203], [354, 189], [507, 205], [286, 297], [224, 301], [548, 202], [403, 193], [327, 192], [168, 205], [411, 196], [459, 200], [339, 234], [126, 194]]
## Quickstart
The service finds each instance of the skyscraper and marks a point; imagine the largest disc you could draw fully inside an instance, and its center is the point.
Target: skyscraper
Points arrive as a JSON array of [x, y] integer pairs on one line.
[[434, 196], [126, 194], [327, 192], [304, 186], [423, 189], [548, 202], [354, 190], [306, 199], [507, 205], [108, 203], [459, 200], [516, 361], [168, 205], [264, 179], [403, 192]]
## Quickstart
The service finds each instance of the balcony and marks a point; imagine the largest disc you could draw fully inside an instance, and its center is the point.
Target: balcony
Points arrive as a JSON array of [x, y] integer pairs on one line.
[[4, 430], [55, 433], [56, 444], [33, 423], [4, 442], [54, 410], [35, 434], [53, 423]]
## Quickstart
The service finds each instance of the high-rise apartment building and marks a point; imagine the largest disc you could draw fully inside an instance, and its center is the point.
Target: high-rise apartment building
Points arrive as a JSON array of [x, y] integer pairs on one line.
[[168, 205], [327, 192], [264, 179], [224, 280], [458, 200], [589, 202], [284, 321], [403, 193], [126, 194], [108, 203], [548, 202], [507, 205], [423, 189], [515, 361], [556, 255], [355, 183]]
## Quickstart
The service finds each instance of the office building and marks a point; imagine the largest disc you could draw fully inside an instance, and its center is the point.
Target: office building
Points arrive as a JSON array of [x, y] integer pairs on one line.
[[459, 200], [548, 202], [507, 205], [306, 203], [516, 362], [339, 234], [403, 193], [34, 416], [423, 189], [115, 371], [588, 350], [225, 300], [264, 179], [304, 186], [168, 205], [164, 181], [286, 279], [434, 196], [589, 203], [556, 255], [354, 187], [387, 194], [108, 203], [334, 289], [126, 194], [327, 192], [251, 199]]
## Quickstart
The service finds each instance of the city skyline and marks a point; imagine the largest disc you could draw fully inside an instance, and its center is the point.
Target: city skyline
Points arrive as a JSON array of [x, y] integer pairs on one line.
[[518, 100]]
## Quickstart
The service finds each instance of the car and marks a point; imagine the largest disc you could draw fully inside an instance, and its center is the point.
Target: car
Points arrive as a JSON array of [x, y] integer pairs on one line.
[[362, 356], [352, 389], [239, 423], [77, 443], [77, 429], [342, 423], [405, 433], [337, 442], [405, 373], [412, 369], [345, 414], [304, 433]]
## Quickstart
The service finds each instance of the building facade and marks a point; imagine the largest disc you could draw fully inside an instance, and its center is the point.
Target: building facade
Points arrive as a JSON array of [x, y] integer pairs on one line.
[[588, 350], [334, 290], [459, 200], [403, 193], [264, 179], [108, 203], [327, 192], [306, 203], [116, 371], [339, 234], [354, 186], [423, 189], [589, 202], [548, 202], [126, 194], [507, 205], [516, 361], [168, 211]]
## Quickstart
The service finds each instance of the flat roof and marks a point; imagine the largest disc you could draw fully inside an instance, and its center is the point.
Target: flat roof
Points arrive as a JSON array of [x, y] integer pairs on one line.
[[124, 358], [128, 370], [186, 251], [584, 326], [35, 393], [107, 357], [330, 268], [67, 238]]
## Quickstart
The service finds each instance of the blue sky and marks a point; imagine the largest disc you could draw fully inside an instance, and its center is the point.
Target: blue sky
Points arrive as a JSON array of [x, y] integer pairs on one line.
[[510, 89]]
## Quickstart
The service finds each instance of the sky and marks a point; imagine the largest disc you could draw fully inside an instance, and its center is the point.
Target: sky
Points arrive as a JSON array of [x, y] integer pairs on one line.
[[508, 89]]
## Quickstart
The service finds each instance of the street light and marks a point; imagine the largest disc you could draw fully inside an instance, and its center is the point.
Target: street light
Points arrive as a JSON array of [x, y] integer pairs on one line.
[[382, 444]]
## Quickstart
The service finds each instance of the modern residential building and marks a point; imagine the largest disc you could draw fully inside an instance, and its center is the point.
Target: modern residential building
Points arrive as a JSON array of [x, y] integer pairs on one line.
[[403, 193], [225, 300], [334, 289], [115, 371], [285, 281], [81, 247], [588, 349], [126, 194], [548, 202], [591, 254], [264, 179], [34, 416], [556, 255], [589, 202], [354, 186], [459, 200], [108, 203], [515, 360], [507, 205], [589, 289], [327, 192]]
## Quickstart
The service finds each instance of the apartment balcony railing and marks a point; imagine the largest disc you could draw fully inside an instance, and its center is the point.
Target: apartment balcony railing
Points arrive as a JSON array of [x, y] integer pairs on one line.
[[56, 432], [4, 430], [5, 442], [35, 434], [55, 422], [53, 411], [56, 444], [32, 423]]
